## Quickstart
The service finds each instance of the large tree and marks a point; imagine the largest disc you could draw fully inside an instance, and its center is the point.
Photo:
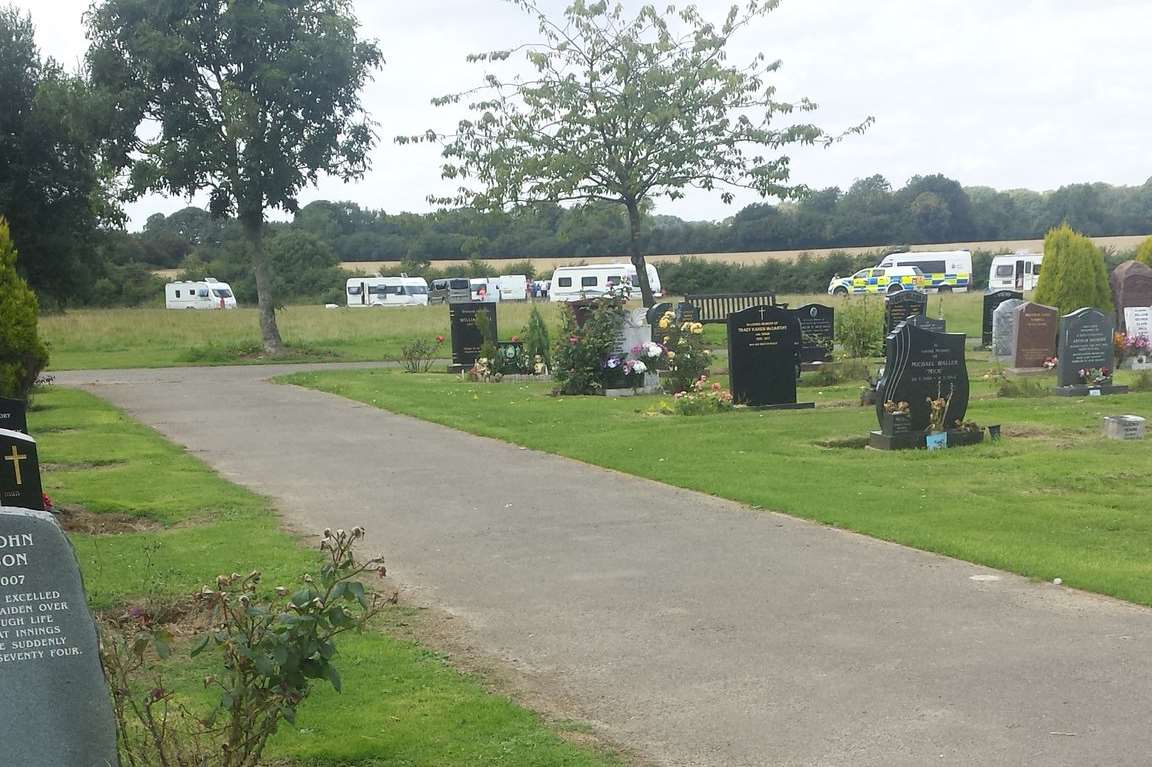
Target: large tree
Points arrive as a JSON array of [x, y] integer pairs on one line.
[[248, 99], [623, 110]]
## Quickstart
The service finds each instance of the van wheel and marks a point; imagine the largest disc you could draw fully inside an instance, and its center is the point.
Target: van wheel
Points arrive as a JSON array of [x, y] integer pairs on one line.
[[840, 292], [944, 289]]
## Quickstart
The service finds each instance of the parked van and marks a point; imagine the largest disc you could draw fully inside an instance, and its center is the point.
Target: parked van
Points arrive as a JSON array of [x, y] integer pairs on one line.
[[945, 271], [513, 287], [450, 290], [203, 294], [883, 281], [484, 289], [1018, 271], [571, 283], [387, 291]]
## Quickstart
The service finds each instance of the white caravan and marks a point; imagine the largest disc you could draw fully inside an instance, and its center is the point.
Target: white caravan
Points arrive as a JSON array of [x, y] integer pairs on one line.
[[571, 283], [945, 271], [387, 291], [1018, 271], [512, 287], [200, 294]]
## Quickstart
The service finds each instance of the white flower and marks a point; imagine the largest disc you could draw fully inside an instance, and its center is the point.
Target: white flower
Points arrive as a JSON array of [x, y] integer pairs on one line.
[[652, 350], [639, 367]]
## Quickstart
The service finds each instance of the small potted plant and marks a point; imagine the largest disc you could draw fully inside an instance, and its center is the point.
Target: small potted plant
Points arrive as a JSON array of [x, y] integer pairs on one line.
[[897, 418]]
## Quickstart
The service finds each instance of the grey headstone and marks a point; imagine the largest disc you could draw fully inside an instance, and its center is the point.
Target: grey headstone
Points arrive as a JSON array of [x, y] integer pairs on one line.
[[1004, 330], [55, 710], [1085, 343]]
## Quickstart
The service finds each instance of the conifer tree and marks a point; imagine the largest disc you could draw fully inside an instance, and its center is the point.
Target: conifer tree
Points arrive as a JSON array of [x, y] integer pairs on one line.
[[22, 353], [1144, 252], [1073, 274]]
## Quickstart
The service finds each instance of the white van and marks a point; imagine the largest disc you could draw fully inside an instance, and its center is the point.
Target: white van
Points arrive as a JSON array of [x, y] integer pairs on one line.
[[484, 289], [945, 271], [571, 283], [387, 291], [203, 294], [512, 287], [1018, 271]]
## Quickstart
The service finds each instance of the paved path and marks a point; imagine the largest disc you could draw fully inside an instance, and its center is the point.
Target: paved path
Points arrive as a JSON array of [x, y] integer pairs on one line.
[[698, 631]]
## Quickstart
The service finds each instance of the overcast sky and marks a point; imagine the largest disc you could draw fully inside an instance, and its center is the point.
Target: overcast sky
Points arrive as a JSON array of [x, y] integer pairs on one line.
[[1027, 93]]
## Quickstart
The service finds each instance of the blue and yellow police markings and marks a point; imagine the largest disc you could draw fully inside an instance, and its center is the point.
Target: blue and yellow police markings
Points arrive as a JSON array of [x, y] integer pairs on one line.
[[959, 280]]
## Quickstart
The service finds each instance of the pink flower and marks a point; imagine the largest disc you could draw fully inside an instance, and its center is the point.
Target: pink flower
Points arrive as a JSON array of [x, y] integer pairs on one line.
[[573, 340], [515, 339], [439, 339]]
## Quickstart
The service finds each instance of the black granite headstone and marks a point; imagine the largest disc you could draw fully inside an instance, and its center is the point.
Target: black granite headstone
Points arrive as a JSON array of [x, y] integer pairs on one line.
[[466, 336], [55, 710], [900, 306], [19, 472], [923, 365], [764, 357], [13, 414], [657, 311], [1085, 343], [817, 332], [991, 301], [928, 323], [686, 312]]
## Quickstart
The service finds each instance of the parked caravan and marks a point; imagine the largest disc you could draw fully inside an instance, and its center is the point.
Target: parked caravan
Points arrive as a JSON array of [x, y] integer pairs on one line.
[[1018, 271], [450, 290], [203, 294], [513, 287], [387, 291], [571, 283], [945, 271]]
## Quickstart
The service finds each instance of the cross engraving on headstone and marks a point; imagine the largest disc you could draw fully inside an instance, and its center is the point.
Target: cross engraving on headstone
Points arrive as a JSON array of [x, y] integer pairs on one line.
[[16, 457]]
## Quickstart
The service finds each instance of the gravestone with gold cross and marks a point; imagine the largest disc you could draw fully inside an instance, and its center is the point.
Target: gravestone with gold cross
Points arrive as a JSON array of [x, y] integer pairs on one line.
[[13, 414], [19, 472]]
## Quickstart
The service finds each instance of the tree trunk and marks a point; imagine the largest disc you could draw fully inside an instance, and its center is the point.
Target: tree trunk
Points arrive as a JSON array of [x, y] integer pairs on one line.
[[269, 332], [637, 256]]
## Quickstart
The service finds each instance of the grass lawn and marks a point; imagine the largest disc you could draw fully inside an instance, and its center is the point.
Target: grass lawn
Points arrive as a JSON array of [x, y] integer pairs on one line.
[[128, 338], [402, 705], [1052, 499]]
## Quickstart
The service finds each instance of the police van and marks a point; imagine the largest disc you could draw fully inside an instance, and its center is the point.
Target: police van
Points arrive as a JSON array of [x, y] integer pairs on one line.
[[878, 280], [945, 271]]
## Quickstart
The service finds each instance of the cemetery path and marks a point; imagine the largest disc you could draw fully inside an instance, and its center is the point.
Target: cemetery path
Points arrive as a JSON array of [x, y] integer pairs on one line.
[[691, 628]]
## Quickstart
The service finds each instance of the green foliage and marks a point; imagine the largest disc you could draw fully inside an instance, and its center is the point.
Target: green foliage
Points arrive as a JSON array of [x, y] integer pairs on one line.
[[418, 354], [483, 324], [537, 341], [1144, 252], [860, 326], [582, 350], [22, 353], [1074, 274], [686, 355]]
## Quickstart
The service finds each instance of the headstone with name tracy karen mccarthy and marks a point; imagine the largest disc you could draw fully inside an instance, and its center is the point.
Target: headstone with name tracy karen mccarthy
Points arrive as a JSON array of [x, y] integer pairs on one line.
[[764, 357], [1036, 328], [991, 301], [817, 332], [1087, 357], [466, 336], [55, 710], [1004, 331], [13, 414], [900, 306]]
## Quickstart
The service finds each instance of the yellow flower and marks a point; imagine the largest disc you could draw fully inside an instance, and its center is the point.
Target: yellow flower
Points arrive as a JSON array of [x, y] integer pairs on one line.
[[686, 327], [697, 328], [671, 355], [669, 316], [665, 340], [664, 323]]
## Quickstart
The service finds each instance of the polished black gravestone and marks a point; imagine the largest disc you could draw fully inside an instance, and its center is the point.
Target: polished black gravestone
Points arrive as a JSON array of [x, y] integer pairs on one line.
[[55, 710], [466, 335], [19, 471], [921, 365], [817, 332], [900, 306], [991, 301], [13, 414], [686, 312], [764, 357], [1085, 355], [936, 325]]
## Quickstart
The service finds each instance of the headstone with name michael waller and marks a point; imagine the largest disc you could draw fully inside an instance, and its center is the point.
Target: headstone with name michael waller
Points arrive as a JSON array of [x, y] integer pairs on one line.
[[13, 414], [764, 357], [55, 708]]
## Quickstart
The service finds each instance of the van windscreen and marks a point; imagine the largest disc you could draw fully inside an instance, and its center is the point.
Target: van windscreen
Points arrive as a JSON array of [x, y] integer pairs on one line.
[[459, 284]]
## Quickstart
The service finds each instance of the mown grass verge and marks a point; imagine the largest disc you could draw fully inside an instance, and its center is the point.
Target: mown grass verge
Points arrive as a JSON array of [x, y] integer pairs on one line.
[[402, 705]]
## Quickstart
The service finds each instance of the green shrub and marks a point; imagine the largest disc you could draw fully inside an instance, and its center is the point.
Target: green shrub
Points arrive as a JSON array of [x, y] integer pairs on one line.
[[536, 339], [22, 353], [1144, 252], [1074, 274], [686, 356], [860, 327], [582, 350]]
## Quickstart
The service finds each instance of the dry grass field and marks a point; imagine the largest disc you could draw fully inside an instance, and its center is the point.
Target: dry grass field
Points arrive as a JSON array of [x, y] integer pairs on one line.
[[1127, 242]]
